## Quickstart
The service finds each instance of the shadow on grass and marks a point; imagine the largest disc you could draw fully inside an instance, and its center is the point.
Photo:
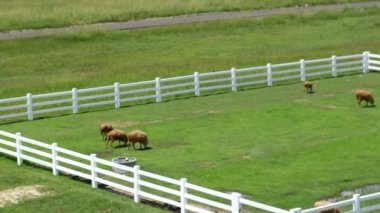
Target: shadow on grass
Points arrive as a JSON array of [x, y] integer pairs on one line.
[[368, 106], [131, 148]]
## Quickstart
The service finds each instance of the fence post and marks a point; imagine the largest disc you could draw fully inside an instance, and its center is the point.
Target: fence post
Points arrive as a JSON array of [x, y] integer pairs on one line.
[[183, 194], [197, 84], [233, 80], [333, 66], [269, 74], [75, 100], [29, 106], [54, 158], [18, 147], [302, 69], [93, 171], [158, 89], [356, 203], [365, 62], [136, 185], [117, 95], [235, 202], [295, 210]]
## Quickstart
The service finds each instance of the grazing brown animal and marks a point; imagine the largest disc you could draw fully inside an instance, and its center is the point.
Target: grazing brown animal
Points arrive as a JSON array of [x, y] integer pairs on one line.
[[325, 202], [364, 95], [137, 136], [116, 134], [105, 128], [308, 86]]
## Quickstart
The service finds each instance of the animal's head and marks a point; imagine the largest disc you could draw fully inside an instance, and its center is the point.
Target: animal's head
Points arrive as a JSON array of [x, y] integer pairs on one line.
[[371, 99]]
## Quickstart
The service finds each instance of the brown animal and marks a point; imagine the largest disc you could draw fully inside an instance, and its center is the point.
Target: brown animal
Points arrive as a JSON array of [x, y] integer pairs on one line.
[[308, 86], [325, 202], [105, 128], [137, 136], [116, 134], [364, 95]]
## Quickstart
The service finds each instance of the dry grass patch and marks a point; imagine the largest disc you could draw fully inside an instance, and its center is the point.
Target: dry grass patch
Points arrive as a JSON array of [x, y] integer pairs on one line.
[[15, 195]]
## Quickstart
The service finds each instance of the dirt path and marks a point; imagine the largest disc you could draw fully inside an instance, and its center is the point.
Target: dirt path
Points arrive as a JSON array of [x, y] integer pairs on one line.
[[162, 21]]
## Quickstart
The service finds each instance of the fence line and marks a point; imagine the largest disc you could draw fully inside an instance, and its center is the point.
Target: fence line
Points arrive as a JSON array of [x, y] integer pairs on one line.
[[155, 90], [143, 185]]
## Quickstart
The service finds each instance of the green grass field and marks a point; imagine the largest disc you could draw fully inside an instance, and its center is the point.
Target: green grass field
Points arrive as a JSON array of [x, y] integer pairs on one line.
[[21, 14], [91, 59], [278, 145]]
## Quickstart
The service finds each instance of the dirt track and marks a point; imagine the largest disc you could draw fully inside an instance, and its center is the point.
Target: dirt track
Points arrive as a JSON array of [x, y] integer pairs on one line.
[[155, 22]]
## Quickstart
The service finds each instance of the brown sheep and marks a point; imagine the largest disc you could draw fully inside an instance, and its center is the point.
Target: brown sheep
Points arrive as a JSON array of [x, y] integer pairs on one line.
[[308, 86], [325, 202], [137, 136], [364, 95], [116, 134], [105, 128]]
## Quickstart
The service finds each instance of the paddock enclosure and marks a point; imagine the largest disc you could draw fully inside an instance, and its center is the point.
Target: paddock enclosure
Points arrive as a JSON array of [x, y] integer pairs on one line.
[[142, 184]]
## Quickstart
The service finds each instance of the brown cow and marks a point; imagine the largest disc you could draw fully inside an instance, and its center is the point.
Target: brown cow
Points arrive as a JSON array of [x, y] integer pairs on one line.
[[308, 86], [325, 202], [137, 136], [364, 95], [105, 128], [116, 134]]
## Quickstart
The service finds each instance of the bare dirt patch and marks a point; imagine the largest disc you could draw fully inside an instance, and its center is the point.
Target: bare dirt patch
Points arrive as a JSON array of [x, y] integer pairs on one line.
[[15, 195]]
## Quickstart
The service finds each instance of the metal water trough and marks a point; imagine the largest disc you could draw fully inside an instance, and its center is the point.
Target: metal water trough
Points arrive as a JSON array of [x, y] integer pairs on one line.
[[126, 161]]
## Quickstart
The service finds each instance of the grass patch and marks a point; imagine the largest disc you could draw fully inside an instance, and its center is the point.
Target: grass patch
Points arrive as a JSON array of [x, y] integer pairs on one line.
[[21, 14], [90, 59], [62, 194], [278, 145]]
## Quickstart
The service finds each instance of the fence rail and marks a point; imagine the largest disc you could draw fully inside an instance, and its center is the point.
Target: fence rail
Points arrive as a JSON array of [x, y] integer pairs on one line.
[[118, 94]]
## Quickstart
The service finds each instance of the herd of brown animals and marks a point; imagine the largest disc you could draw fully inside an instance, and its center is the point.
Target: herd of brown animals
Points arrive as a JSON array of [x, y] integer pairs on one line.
[[361, 95], [109, 134]]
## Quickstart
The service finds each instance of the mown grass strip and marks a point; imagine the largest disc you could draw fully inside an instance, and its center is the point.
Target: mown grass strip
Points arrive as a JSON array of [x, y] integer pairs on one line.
[[23, 14]]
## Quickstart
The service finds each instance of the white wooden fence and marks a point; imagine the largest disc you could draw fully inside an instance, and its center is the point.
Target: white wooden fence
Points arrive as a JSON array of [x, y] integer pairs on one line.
[[139, 183], [145, 185], [118, 94]]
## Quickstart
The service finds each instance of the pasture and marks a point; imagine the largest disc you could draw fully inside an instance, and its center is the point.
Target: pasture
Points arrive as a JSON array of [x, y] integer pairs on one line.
[[91, 59], [277, 145], [24, 14]]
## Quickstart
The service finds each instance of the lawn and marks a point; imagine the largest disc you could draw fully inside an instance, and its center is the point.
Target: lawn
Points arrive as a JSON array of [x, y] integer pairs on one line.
[[62, 193], [277, 145], [91, 59], [24, 14]]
